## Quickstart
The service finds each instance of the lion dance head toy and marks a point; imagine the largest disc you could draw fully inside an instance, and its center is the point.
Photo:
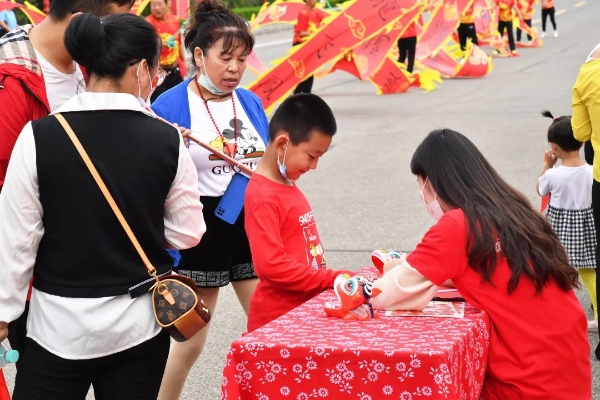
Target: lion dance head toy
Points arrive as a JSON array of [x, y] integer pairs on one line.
[[354, 298], [381, 256]]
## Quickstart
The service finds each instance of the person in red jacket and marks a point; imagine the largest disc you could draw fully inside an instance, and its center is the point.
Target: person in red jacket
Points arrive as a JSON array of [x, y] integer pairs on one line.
[[37, 75], [526, 10], [172, 53], [284, 241], [309, 19], [466, 28]]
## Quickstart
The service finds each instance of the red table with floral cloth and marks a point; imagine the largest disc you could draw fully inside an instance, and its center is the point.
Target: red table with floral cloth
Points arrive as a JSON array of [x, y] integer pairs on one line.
[[306, 355]]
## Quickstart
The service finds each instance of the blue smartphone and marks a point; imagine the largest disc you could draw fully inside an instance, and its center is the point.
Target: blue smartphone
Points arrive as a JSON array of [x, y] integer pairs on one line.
[[232, 202]]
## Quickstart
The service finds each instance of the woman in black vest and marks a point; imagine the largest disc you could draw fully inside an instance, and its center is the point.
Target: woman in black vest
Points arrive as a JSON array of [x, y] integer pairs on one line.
[[85, 327]]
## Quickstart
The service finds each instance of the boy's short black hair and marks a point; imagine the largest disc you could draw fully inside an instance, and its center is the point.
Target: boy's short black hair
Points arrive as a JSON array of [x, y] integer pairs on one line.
[[301, 114], [60, 9], [561, 133]]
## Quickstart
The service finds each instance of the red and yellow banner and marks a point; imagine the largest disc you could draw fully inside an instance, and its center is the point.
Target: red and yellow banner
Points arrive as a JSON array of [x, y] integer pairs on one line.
[[34, 14], [444, 21], [519, 22], [280, 12], [361, 40], [486, 20], [255, 64], [364, 59], [390, 79], [180, 8], [475, 64], [341, 33], [139, 6]]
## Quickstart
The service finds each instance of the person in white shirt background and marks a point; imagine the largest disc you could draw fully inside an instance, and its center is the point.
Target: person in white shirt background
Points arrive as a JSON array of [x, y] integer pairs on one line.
[[84, 327], [570, 208]]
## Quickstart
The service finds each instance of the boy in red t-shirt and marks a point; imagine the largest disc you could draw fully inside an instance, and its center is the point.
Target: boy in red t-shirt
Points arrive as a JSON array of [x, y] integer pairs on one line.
[[286, 250]]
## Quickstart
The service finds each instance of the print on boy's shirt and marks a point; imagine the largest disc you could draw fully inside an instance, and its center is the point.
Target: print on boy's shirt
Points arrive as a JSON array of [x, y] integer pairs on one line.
[[315, 256], [248, 142]]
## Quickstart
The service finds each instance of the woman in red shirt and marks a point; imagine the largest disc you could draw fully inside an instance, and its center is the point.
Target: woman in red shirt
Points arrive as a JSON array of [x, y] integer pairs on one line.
[[504, 258]]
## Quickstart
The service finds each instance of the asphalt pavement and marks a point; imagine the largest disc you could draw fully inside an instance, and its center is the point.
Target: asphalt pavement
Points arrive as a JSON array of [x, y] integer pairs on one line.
[[363, 194]]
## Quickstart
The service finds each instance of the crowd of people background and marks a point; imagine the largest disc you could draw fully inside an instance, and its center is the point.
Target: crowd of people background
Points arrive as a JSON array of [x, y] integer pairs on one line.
[[99, 67]]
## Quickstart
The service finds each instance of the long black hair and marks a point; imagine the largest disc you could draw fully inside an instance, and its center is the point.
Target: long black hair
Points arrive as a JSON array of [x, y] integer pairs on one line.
[[495, 211]]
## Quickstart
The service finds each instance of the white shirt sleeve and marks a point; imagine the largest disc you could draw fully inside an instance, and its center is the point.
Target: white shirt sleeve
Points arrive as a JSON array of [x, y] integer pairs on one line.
[[403, 288], [21, 227], [544, 183], [184, 222]]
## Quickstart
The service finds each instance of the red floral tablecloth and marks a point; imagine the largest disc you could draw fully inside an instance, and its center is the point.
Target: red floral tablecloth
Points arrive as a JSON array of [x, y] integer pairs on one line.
[[306, 355]]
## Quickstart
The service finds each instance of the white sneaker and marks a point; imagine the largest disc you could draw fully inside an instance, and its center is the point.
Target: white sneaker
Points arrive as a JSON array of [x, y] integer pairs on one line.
[[555, 33], [543, 35], [593, 326]]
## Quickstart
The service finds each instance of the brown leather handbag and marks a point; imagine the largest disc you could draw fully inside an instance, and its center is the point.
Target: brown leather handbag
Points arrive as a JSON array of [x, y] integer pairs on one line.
[[176, 300]]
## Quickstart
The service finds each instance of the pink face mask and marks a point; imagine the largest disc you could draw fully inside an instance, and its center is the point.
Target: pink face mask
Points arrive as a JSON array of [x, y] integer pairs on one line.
[[434, 208]]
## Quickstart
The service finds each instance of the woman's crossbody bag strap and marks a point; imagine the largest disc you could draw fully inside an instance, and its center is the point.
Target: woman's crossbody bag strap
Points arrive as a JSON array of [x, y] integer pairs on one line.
[[113, 205]]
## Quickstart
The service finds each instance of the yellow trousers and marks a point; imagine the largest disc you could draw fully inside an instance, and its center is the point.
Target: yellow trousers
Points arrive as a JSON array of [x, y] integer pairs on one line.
[[588, 277]]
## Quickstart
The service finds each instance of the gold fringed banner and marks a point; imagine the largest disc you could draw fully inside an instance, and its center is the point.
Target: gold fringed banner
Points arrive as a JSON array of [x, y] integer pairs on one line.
[[356, 23], [390, 78], [364, 60], [444, 21], [475, 64], [536, 41], [139, 6]]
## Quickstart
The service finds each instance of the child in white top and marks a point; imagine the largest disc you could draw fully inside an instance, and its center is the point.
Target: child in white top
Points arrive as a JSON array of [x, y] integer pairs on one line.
[[570, 208]]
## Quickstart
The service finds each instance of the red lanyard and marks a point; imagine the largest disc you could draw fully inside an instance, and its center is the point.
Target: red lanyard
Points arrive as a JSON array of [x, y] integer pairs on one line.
[[228, 148]]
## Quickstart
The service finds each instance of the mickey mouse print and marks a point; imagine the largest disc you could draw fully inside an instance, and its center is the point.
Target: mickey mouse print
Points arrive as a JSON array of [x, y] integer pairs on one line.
[[214, 174]]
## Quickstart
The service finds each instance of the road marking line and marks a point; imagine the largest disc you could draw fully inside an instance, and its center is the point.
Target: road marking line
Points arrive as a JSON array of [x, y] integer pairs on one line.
[[536, 21], [581, 3], [559, 12], [273, 43]]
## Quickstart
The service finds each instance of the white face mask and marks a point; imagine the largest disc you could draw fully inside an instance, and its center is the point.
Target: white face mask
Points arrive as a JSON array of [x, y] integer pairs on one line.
[[434, 208], [145, 103], [206, 83], [281, 165]]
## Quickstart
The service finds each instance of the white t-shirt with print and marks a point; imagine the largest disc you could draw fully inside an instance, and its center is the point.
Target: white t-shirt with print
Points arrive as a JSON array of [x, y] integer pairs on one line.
[[214, 174], [60, 87], [570, 188]]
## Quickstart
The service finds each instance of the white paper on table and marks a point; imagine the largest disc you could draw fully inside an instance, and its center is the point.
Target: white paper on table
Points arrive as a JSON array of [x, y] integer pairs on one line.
[[439, 309]]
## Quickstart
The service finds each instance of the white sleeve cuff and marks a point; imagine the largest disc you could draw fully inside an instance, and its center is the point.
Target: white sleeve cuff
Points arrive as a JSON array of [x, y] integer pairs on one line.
[[403, 288]]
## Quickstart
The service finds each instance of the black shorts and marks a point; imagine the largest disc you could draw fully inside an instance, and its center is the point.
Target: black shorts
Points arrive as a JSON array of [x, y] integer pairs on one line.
[[222, 256]]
